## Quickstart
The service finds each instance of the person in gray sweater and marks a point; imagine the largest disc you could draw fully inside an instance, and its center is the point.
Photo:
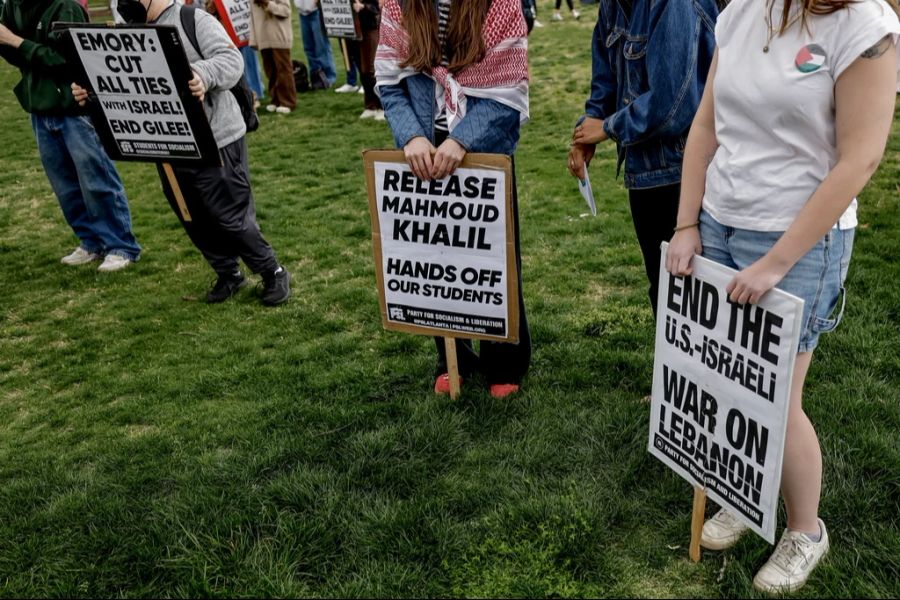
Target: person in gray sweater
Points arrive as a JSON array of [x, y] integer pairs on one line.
[[220, 199]]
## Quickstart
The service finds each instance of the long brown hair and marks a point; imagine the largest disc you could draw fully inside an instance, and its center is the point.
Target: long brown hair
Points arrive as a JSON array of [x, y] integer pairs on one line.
[[465, 44], [818, 7]]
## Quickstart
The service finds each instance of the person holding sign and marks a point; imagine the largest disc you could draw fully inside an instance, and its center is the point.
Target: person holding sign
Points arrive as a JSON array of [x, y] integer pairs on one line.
[[219, 198], [650, 61], [472, 57], [790, 131], [81, 174]]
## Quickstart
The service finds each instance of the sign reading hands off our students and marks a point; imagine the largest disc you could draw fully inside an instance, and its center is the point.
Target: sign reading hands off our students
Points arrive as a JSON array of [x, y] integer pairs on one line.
[[445, 249], [142, 107], [721, 388], [235, 15]]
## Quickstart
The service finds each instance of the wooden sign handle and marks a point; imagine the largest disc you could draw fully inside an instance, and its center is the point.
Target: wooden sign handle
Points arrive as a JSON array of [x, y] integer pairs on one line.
[[176, 191], [452, 366], [697, 519], [347, 56]]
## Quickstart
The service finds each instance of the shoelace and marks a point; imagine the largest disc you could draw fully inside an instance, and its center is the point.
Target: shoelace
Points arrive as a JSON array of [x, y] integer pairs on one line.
[[789, 553]]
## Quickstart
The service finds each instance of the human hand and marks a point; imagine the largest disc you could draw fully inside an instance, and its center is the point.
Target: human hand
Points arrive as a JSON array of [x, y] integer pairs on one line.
[[418, 153], [684, 245], [752, 283], [357, 6], [8, 38], [448, 156], [580, 156], [80, 94], [590, 131], [197, 87]]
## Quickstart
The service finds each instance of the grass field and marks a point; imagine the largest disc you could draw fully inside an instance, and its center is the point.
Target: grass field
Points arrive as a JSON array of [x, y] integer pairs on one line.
[[151, 445]]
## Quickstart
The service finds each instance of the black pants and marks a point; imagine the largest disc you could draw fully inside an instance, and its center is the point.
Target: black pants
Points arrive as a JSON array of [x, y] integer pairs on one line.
[[223, 217], [367, 47], [568, 2], [654, 212], [499, 362]]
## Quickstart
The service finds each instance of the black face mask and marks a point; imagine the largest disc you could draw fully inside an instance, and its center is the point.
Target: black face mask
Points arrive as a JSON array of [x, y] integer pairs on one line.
[[132, 11]]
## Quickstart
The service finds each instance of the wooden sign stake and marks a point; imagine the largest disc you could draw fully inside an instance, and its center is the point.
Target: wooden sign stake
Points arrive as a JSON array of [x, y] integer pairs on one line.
[[452, 366], [176, 190], [346, 56], [697, 523]]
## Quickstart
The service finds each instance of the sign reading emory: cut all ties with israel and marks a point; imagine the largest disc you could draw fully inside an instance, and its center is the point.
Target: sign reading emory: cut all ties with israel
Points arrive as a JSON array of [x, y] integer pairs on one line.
[[444, 251], [721, 389]]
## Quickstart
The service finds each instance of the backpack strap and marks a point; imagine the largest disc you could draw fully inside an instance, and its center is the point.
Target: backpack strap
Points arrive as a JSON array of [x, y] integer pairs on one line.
[[189, 25]]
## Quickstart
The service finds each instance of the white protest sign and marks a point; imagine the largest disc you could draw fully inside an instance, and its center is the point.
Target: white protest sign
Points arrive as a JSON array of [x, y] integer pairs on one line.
[[721, 388], [235, 16], [340, 19], [139, 76], [445, 249]]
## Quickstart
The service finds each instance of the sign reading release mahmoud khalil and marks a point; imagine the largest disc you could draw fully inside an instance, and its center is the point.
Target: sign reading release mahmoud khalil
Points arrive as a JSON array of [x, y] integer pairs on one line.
[[721, 388], [445, 249]]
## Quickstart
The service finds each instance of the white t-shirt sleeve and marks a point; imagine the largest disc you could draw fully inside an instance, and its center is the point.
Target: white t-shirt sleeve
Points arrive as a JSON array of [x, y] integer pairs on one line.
[[867, 23], [726, 19]]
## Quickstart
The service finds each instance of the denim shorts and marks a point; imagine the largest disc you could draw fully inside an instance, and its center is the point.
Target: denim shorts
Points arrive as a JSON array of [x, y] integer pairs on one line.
[[817, 278]]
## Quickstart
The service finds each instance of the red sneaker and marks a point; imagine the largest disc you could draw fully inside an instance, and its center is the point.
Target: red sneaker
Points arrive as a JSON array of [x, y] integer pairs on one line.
[[442, 384], [502, 390]]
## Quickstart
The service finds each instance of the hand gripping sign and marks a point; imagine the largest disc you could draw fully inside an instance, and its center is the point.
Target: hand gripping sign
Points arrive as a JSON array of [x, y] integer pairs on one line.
[[445, 256], [140, 102], [721, 390]]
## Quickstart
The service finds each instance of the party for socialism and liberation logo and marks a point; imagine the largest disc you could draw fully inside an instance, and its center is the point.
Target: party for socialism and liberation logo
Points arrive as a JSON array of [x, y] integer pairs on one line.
[[810, 58]]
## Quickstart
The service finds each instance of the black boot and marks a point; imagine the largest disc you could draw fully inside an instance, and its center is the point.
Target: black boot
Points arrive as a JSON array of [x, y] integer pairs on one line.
[[225, 287]]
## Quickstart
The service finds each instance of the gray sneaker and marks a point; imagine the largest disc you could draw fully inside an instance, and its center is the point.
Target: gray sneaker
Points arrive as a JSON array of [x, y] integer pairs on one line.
[[722, 531], [793, 560], [80, 257]]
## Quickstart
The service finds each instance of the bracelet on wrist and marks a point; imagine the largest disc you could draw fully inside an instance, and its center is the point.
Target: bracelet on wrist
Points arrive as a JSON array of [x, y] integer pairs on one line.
[[689, 226]]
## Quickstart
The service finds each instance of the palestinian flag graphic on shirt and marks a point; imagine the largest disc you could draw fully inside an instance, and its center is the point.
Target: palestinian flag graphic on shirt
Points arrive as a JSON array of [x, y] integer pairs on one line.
[[810, 58]]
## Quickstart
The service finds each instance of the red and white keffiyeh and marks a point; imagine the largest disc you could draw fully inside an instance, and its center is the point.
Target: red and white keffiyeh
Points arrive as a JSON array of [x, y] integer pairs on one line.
[[501, 76]]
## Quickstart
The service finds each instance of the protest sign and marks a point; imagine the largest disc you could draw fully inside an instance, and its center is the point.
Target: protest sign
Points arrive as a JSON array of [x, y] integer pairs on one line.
[[721, 388], [445, 249], [141, 105], [340, 19], [235, 16]]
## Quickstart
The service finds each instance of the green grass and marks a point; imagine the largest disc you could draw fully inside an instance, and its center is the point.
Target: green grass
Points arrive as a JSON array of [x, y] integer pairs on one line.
[[151, 445]]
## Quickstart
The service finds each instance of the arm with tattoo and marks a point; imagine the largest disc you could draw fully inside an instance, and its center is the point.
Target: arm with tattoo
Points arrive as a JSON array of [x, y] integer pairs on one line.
[[883, 45]]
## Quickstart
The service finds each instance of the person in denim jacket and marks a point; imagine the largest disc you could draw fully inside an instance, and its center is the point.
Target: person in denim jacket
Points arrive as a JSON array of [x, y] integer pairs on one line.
[[413, 79], [650, 61]]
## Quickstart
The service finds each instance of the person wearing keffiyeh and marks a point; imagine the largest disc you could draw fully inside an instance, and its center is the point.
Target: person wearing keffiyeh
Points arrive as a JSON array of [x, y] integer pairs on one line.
[[453, 78]]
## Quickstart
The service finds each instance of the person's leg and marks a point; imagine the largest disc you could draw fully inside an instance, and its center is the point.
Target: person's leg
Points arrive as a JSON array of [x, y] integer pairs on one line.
[[324, 56], [63, 177], [368, 47], [101, 187], [654, 213], [354, 60], [285, 93], [202, 229], [466, 357], [508, 363], [251, 69], [271, 73]]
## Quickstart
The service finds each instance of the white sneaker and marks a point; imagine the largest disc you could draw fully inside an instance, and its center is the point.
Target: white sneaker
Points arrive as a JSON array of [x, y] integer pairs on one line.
[[576, 14], [379, 115], [556, 17], [361, 90], [271, 108], [282, 110], [346, 88], [368, 114], [113, 262], [79, 257], [794, 559], [538, 24], [722, 531]]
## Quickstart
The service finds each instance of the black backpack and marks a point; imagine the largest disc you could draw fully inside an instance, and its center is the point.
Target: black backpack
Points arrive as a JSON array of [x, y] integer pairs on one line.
[[241, 91], [301, 76]]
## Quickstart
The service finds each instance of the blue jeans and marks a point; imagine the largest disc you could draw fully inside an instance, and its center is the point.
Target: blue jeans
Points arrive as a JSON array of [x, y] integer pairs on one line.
[[86, 183], [817, 278], [251, 70], [316, 46]]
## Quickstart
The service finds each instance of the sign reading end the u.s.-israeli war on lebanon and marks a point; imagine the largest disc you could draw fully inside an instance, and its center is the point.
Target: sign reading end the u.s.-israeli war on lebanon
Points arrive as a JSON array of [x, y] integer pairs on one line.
[[445, 249], [143, 109], [721, 386]]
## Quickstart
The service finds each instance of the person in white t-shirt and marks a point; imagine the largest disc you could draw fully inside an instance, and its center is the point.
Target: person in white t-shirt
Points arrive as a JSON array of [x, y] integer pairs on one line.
[[790, 130]]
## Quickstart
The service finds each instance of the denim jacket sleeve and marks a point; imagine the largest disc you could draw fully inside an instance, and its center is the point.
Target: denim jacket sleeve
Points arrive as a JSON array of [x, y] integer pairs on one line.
[[678, 29], [399, 112], [602, 102], [488, 127]]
